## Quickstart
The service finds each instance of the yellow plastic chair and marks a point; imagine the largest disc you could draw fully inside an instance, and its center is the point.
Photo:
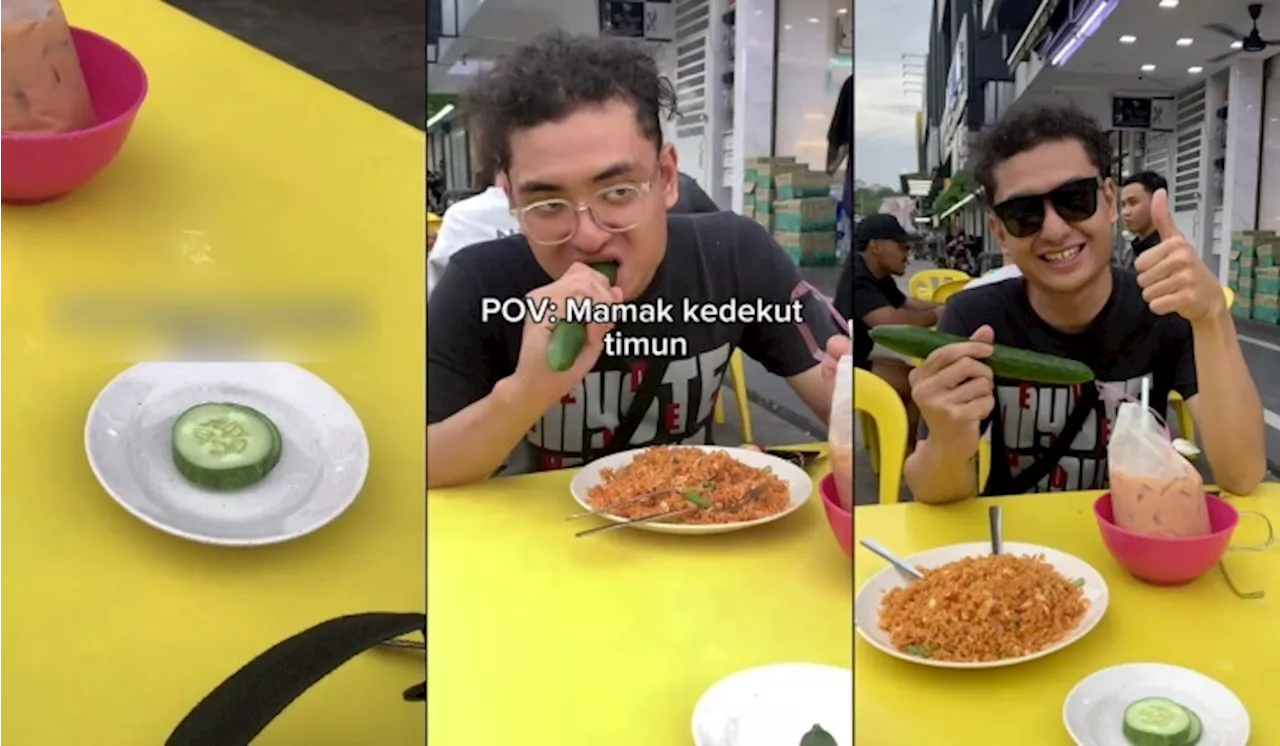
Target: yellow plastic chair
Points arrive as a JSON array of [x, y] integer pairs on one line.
[[869, 439], [947, 289], [1187, 423], [738, 372], [923, 283], [877, 399]]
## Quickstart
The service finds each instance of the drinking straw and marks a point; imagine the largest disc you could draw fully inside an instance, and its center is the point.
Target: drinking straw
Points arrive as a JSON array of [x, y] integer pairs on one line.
[[1146, 393]]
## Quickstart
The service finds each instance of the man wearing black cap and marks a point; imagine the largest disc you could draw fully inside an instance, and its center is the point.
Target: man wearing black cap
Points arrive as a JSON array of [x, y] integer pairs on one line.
[[881, 252]]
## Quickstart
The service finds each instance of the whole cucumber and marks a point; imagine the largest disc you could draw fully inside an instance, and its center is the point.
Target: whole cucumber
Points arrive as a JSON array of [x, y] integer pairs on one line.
[[1006, 362], [568, 339]]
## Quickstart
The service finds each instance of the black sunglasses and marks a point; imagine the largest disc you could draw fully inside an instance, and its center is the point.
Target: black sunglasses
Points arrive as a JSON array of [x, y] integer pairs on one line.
[[1074, 201]]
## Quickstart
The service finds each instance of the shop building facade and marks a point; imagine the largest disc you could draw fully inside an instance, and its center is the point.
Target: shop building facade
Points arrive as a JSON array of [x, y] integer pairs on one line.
[[1150, 72]]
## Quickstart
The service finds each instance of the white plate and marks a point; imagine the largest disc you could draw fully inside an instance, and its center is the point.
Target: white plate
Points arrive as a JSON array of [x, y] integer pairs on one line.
[[774, 705], [321, 471], [1094, 710], [799, 482], [867, 604]]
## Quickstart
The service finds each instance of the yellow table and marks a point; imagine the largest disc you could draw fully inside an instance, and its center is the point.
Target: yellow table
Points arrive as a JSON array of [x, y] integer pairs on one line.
[[542, 638], [1202, 626], [241, 173]]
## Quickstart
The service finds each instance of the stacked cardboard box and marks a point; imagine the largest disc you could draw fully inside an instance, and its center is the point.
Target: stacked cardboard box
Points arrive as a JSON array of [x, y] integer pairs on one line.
[[1254, 275], [760, 186], [794, 203], [1266, 280], [806, 229], [1266, 295]]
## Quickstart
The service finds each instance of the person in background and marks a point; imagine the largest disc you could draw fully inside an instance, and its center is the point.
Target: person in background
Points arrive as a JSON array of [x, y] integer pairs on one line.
[[844, 288], [474, 220], [880, 255], [840, 142], [693, 200], [1007, 271], [1053, 209], [1135, 207]]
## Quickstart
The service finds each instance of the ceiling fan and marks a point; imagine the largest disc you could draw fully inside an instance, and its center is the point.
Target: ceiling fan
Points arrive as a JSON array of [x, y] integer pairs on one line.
[[1250, 42]]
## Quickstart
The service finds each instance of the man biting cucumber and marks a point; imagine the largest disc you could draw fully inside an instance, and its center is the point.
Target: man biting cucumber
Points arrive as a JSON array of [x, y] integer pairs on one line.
[[574, 128], [1052, 207]]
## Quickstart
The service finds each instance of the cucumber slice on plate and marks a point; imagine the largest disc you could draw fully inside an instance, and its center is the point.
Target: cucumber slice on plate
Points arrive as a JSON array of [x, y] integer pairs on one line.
[[1197, 729], [225, 446], [1156, 721]]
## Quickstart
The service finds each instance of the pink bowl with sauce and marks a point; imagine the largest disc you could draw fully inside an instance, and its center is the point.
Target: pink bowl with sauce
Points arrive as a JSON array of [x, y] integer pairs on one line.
[[1163, 560], [840, 519], [39, 167]]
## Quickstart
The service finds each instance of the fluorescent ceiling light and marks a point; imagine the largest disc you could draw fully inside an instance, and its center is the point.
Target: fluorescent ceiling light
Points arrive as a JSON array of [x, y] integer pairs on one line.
[[446, 111], [1148, 68], [1168, 3], [1083, 30], [839, 12], [814, 20], [1128, 39], [1195, 70], [1184, 41]]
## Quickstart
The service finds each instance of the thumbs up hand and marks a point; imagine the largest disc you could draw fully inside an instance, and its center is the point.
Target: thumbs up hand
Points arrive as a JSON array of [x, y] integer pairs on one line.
[[1172, 276]]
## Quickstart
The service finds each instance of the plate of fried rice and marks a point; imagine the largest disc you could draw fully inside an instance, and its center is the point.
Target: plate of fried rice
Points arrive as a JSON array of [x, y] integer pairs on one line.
[[713, 479], [976, 610]]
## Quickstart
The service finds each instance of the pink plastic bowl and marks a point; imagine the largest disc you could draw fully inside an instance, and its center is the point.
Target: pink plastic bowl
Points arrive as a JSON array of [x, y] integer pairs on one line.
[[40, 167], [841, 520], [1167, 561]]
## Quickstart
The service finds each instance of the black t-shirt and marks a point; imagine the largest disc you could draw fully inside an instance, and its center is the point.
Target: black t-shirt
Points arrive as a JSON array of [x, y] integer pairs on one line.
[[693, 201], [1124, 344], [1140, 244], [715, 258], [869, 294]]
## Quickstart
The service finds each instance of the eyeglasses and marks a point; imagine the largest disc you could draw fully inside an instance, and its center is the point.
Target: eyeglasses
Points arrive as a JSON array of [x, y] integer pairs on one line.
[[616, 209], [1074, 201]]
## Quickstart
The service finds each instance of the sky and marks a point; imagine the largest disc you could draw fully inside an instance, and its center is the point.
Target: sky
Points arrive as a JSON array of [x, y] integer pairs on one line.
[[884, 114]]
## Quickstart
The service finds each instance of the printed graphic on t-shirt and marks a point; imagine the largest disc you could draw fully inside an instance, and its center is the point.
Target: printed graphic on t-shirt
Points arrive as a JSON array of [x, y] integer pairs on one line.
[[590, 414], [1032, 416]]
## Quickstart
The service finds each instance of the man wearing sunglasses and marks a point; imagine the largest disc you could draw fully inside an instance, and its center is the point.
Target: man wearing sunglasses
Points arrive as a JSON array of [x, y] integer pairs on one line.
[[574, 126], [1053, 210]]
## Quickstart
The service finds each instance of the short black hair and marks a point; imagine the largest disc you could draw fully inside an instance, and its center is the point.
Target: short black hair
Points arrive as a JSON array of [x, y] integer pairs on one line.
[[1150, 180], [1027, 128], [558, 74]]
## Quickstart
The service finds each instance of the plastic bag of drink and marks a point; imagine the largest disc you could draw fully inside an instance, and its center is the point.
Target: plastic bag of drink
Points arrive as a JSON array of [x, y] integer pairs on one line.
[[840, 433], [43, 85], [1154, 489]]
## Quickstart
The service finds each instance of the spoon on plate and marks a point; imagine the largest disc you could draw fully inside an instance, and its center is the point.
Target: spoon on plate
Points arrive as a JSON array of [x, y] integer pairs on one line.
[[893, 559], [997, 530]]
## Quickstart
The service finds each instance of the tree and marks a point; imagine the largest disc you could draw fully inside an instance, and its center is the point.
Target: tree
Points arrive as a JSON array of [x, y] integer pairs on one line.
[[867, 198], [961, 185]]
